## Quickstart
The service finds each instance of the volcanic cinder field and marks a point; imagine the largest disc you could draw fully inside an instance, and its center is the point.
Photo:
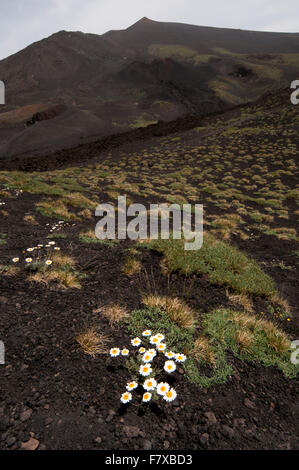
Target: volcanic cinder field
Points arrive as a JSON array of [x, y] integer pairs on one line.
[[160, 113]]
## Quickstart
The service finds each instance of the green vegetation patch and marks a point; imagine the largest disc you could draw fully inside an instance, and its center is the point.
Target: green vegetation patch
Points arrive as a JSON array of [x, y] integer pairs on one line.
[[250, 339], [222, 263], [178, 52], [88, 239]]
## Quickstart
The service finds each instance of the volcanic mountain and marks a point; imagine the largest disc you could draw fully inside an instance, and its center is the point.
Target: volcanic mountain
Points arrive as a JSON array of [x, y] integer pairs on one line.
[[74, 87]]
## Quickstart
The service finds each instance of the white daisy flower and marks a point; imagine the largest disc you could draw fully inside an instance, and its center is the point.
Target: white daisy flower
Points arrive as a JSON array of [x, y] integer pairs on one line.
[[114, 352], [162, 388], [136, 342], [142, 350], [154, 340], [146, 397], [150, 384], [131, 385], [40, 246], [48, 246], [28, 260], [170, 395], [170, 354], [126, 397], [51, 243], [30, 249], [56, 248], [147, 357], [161, 346], [125, 352], [169, 366], [153, 352], [147, 333], [145, 370], [15, 260], [180, 357], [160, 336], [49, 262]]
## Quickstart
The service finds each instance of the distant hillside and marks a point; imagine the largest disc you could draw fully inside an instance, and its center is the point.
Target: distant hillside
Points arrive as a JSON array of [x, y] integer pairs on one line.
[[127, 79]]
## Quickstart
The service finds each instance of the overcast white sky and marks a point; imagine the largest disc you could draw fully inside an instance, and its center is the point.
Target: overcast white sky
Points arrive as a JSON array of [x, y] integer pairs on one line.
[[25, 21]]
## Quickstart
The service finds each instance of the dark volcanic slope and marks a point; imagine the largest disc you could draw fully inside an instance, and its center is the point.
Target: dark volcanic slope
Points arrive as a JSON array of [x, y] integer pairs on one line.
[[128, 79], [203, 39]]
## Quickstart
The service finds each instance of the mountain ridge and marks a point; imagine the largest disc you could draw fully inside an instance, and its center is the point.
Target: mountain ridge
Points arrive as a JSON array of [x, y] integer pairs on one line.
[[131, 78]]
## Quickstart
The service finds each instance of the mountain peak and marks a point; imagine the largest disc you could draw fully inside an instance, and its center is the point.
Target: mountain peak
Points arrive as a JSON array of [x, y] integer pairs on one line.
[[143, 21]]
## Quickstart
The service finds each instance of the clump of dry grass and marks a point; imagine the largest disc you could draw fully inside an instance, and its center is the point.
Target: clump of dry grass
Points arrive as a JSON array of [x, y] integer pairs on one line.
[[30, 219], [131, 266], [61, 260], [241, 299], [177, 310], [92, 342], [9, 271], [115, 314], [225, 226], [277, 299], [244, 320], [277, 339], [89, 234], [203, 350], [4, 193], [79, 200], [67, 279], [245, 339], [60, 272], [248, 325], [86, 214]]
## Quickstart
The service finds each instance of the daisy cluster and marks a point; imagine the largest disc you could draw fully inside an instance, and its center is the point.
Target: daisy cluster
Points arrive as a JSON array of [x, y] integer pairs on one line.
[[56, 227], [40, 254], [153, 389]]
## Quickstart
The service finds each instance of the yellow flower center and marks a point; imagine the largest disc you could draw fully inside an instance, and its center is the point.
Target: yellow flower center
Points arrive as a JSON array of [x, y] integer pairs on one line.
[[163, 389], [169, 367], [169, 394]]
